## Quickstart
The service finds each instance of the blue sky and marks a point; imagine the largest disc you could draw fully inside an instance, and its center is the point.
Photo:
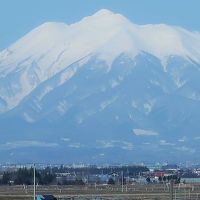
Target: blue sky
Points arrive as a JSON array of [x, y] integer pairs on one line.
[[17, 17]]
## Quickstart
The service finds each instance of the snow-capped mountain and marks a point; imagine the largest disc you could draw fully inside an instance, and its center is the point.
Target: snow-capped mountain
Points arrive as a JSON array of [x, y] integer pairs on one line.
[[100, 86]]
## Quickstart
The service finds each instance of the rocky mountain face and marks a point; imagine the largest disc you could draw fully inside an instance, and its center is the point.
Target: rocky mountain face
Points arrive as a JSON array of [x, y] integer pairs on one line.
[[102, 90]]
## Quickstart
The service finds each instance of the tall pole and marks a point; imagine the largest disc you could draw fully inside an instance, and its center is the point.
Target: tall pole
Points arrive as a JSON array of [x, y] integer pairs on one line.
[[122, 181], [171, 189], [34, 197]]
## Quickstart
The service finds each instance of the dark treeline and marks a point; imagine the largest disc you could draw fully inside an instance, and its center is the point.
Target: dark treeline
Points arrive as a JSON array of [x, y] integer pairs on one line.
[[25, 176], [48, 175]]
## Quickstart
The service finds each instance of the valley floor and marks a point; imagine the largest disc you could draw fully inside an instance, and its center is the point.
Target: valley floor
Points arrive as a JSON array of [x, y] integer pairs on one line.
[[105, 192]]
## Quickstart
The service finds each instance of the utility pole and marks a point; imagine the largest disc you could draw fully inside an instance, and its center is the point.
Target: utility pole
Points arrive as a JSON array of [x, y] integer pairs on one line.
[[171, 189], [122, 181], [34, 190]]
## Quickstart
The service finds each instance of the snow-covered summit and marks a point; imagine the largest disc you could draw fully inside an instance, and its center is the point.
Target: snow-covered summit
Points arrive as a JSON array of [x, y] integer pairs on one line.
[[103, 12], [105, 33], [53, 47]]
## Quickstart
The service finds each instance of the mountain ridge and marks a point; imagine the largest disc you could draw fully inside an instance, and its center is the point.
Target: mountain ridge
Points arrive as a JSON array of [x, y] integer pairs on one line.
[[100, 86]]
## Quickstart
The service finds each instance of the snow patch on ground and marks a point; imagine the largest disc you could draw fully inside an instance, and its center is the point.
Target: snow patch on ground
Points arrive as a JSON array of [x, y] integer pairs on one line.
[[104, 144], [45, 91], [106, 103], [28, 118], [62, 107], [165, 143], [142, 132], [114, 83]]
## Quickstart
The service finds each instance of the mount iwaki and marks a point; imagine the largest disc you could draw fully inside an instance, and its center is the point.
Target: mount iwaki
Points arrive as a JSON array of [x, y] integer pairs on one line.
[[102, 90]]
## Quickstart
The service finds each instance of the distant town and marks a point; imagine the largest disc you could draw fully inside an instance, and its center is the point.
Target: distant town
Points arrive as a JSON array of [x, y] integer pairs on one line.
[[81, 174]]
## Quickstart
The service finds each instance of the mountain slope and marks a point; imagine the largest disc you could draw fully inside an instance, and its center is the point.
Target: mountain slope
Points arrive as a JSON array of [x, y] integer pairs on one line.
[[100, 86]]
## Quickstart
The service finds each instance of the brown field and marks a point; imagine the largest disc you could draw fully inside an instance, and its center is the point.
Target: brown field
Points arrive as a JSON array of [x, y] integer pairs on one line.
[[134, 192]]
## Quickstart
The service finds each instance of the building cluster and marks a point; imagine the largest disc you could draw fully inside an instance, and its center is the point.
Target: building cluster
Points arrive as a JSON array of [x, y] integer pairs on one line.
[[70, 175]]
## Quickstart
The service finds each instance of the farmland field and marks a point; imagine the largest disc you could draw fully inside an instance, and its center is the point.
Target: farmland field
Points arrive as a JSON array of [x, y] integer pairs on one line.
[[137, 191]]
